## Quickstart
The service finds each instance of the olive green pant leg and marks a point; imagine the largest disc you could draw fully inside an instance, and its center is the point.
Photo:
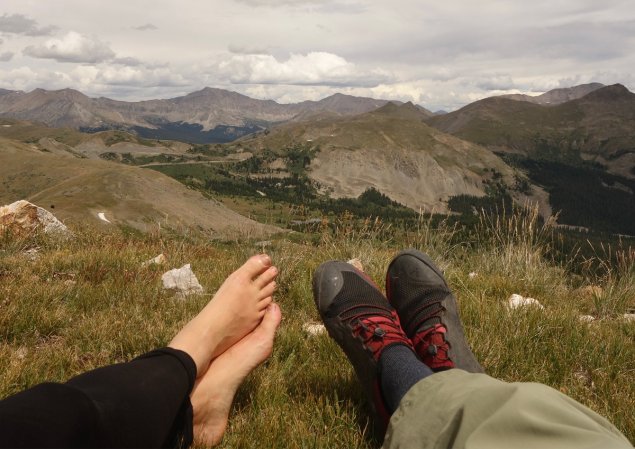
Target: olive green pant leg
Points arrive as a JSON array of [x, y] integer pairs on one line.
[[456, 409]]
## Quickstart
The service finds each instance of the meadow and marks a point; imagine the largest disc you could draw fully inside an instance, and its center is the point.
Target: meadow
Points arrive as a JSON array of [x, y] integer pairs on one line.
[[70, 306]]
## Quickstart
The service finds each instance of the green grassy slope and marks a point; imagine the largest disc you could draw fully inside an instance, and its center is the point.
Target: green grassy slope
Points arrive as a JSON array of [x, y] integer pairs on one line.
[[90, 303], [78, 189]]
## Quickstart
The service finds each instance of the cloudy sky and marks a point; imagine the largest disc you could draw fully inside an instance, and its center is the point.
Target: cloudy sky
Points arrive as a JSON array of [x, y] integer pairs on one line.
[[440, 54]]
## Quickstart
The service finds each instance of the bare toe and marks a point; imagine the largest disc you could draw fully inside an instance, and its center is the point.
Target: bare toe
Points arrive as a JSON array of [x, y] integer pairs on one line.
[[254, 266], [266, 277], [267, 290], [263, 304]]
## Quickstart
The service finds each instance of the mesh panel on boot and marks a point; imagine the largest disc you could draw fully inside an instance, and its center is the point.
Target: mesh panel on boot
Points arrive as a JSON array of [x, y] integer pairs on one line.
[[422, 305], [358, 297]]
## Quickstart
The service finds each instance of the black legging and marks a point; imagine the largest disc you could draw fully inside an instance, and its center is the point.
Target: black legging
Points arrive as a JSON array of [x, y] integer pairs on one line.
[[142, 403]]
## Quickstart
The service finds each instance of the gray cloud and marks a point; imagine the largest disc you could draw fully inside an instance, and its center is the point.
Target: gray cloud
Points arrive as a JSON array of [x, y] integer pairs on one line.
[[147, 27], [578, 41], [438, 54], [6, 56], [128, 61], [73, 47], [322, 6], [21, 24], [247, 50], [280, 3], [495, 82]]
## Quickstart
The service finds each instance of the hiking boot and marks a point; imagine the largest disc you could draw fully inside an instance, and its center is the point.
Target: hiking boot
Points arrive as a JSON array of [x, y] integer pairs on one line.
[[362, 322], [428, 311]]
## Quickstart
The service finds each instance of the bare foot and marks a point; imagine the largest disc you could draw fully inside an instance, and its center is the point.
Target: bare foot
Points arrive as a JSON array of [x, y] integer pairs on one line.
[[236, 309], [213, 393]]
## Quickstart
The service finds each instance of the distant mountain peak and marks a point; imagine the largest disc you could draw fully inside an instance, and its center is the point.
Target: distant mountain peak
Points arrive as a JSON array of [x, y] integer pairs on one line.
[[388, 108], [405, 110], [613, 92], [556, 96]]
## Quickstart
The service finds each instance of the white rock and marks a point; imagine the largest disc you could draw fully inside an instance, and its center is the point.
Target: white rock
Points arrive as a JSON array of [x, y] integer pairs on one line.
[[21, 353], [515, 301], [32, 254], [356, 263], [586, 318], [630, 317], [158, 260], [584, 377], [183, 280], [23, 218], [472, 275], [314, 329]]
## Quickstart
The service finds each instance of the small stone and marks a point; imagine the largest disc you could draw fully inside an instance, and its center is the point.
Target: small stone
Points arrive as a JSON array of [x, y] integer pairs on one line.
[[313, 329], [21, 353], [472, 275], [158, 260], [183, 280], [515, 301], [263, 244], [32, 254], [584, 376], [356, 263]]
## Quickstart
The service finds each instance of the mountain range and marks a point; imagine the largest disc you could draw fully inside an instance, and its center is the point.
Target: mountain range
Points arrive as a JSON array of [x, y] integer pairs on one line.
[[598, 126], [208, 115], [571, 149]]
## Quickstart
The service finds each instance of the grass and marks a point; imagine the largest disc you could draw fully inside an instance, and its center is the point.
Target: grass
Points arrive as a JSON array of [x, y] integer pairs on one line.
[[88, 302]]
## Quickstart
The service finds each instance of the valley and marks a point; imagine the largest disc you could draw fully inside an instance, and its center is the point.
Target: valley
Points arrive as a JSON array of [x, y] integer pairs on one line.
[[368, 157]]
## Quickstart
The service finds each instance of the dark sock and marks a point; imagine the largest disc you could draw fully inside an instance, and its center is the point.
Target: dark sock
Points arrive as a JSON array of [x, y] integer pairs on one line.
[[400, 369]]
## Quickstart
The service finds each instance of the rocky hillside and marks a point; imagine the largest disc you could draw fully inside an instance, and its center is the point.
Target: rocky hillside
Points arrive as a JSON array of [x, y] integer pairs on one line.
[[391, 149], [105, 193], [208, 115], [599, 126]]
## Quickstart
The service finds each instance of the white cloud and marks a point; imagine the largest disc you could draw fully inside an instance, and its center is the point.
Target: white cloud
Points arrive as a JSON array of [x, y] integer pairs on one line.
[[73, 47], [6, 56], [25, 78], [438, 54], [312, 69], [21, 24], [137, 76]]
